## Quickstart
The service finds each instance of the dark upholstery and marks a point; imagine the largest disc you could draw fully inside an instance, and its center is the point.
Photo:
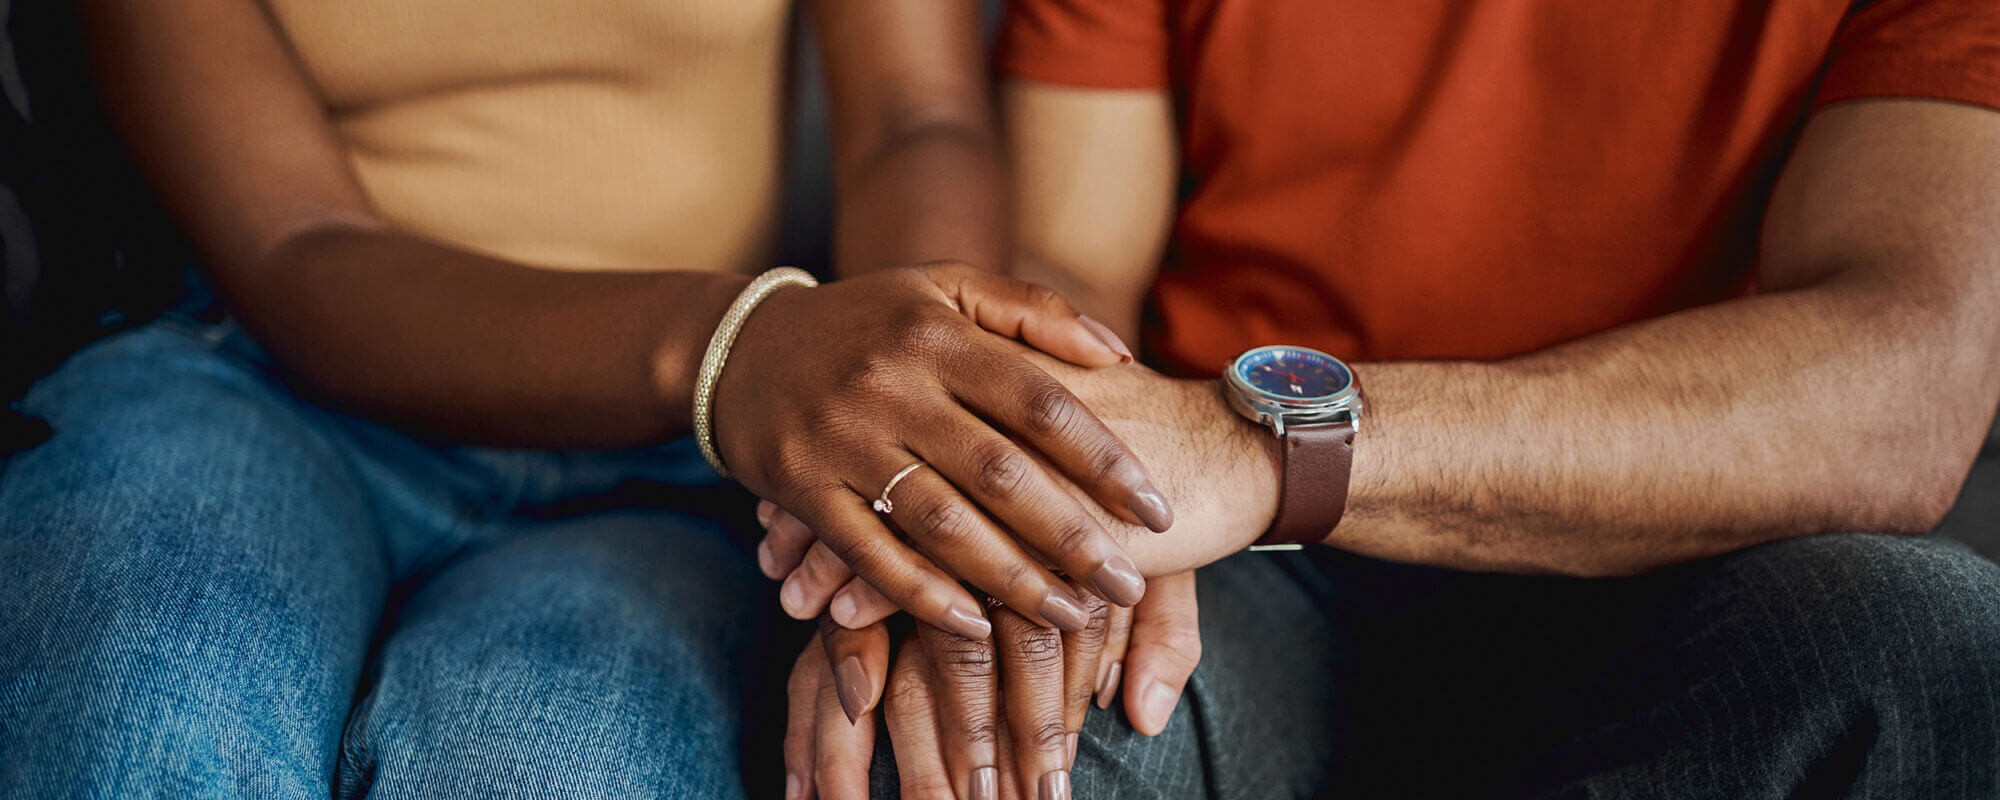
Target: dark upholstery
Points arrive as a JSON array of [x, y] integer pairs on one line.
[[83, 251]]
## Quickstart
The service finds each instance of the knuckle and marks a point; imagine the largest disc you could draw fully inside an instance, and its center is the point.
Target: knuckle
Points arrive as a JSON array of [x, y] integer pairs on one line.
[[1111, 462], [941, 519], [1039, 295], [965, 659], [1184, 643], [908, 690], [1051, 409], [1041, 650], [1002, 470], [1048, 734], [1071, 536]]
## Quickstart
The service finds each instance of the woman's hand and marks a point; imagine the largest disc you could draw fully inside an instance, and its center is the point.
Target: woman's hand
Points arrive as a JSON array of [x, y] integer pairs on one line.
[[830, 391], [947, 694]]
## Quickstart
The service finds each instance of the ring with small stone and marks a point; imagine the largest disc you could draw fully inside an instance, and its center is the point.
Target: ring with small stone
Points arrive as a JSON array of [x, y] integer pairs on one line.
[[883, 504]]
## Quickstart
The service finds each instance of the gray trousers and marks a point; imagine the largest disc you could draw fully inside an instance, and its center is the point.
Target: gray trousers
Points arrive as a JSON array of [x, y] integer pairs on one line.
[[1828, 666]]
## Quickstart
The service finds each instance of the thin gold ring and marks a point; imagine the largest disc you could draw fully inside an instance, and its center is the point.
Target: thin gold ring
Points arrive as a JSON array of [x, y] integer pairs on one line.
[[883, 504]]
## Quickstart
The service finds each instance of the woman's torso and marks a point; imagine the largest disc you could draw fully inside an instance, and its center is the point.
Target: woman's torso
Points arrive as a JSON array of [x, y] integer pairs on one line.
[[621, 135]]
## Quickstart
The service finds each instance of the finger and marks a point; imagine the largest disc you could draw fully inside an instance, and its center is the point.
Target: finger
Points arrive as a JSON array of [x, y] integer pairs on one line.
[[842, 748], [1081, 652], [1031, 692], [1111, 666], [858, 604], [806, 592], [856, 534], [1032, 313], [785, 542], [1166, 646], [968, 687], [801, 710], [911, 713], [1022, 399], [952, 531], [860, 660], [1027, 500]]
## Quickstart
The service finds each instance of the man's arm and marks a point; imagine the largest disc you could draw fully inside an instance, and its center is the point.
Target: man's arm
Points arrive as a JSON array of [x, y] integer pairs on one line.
[[1850, 394], [916, 159], [1095, 174]]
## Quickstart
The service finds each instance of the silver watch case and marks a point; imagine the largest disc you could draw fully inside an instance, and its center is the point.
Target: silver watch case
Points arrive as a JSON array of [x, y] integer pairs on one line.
[[1276, 411]]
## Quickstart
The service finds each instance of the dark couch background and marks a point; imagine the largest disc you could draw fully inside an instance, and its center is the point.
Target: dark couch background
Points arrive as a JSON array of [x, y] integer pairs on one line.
[[83, 252]]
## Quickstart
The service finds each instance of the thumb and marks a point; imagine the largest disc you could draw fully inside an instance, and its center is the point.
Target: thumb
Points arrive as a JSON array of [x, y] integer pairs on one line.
[[1165, 647], [1032, 313]]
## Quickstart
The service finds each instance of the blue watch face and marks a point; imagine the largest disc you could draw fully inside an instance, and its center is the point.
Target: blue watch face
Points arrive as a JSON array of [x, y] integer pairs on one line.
[[1294, 374]]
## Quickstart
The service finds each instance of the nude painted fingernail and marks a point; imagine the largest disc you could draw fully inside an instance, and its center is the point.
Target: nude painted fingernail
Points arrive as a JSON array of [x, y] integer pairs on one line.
[[1063, 612], [1151, 508], [986, 783], [1158, 706], [1118, 580], [793, 597], [795, 788], [766, 561], [1109, 688], [967, 624], [1107, 336], [850, 681], [1073, 739], [844, 609], [765, 509], [1054, 785]]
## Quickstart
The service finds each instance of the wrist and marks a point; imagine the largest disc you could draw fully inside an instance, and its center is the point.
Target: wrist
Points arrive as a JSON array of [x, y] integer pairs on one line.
[[1257, 471]]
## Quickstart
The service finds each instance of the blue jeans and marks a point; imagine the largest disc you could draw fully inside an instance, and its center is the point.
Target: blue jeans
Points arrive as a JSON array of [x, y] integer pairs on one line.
[[217, 589]]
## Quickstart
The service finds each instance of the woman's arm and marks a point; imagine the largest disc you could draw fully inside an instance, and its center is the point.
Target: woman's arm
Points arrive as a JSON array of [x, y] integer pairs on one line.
[[238, 147], [916, 162], [827, 391]]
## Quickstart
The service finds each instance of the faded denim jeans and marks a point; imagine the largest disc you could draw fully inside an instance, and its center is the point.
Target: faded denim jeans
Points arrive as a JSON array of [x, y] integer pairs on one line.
[[215, 589]]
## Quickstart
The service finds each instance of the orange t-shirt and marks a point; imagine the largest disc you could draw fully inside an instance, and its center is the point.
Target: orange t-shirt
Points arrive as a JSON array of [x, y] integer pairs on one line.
[[1478, 178]]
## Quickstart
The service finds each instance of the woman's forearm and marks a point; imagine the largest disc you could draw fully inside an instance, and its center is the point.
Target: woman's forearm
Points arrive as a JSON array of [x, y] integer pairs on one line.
[[471, 347]]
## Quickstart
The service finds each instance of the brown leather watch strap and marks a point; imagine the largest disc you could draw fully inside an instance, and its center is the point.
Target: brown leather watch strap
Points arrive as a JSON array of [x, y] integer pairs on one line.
[[1316, 463]]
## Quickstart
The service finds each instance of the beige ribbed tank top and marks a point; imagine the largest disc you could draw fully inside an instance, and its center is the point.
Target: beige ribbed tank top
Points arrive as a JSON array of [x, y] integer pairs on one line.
[[607, 134]]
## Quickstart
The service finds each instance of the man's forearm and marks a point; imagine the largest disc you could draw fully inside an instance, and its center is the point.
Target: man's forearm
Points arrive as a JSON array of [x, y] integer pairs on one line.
[[1832, 408], [475, 348]]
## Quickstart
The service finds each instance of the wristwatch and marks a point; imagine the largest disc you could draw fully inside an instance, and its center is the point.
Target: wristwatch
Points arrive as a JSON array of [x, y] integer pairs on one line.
[[1312, 402]]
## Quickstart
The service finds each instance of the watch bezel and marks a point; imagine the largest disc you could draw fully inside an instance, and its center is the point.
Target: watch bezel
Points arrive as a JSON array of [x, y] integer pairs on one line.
[[1276, 411]]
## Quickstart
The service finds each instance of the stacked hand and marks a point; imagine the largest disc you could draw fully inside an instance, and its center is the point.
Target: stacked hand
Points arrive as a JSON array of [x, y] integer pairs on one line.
[[831, 391], [949, 696]]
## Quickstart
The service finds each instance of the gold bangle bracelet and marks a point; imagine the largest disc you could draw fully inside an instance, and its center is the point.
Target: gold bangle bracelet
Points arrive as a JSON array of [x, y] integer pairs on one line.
[[718, 353]]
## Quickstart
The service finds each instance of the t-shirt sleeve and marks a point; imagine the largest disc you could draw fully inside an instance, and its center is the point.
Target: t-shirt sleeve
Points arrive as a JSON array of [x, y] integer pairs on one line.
[[1102, 44], [1942, 49]]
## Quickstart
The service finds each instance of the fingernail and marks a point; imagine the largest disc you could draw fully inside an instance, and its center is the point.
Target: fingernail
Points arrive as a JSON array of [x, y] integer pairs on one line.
[[850, 681], [765, 509], [795, 788], [1151, 508], [1119, 580], [1105, 335], [1158, 706], [793, 598], [766, 561], [1073, 739], [1063, 612], [967, 624], [986, 783], [843, 610], [1055, 785], [1109, 688]]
